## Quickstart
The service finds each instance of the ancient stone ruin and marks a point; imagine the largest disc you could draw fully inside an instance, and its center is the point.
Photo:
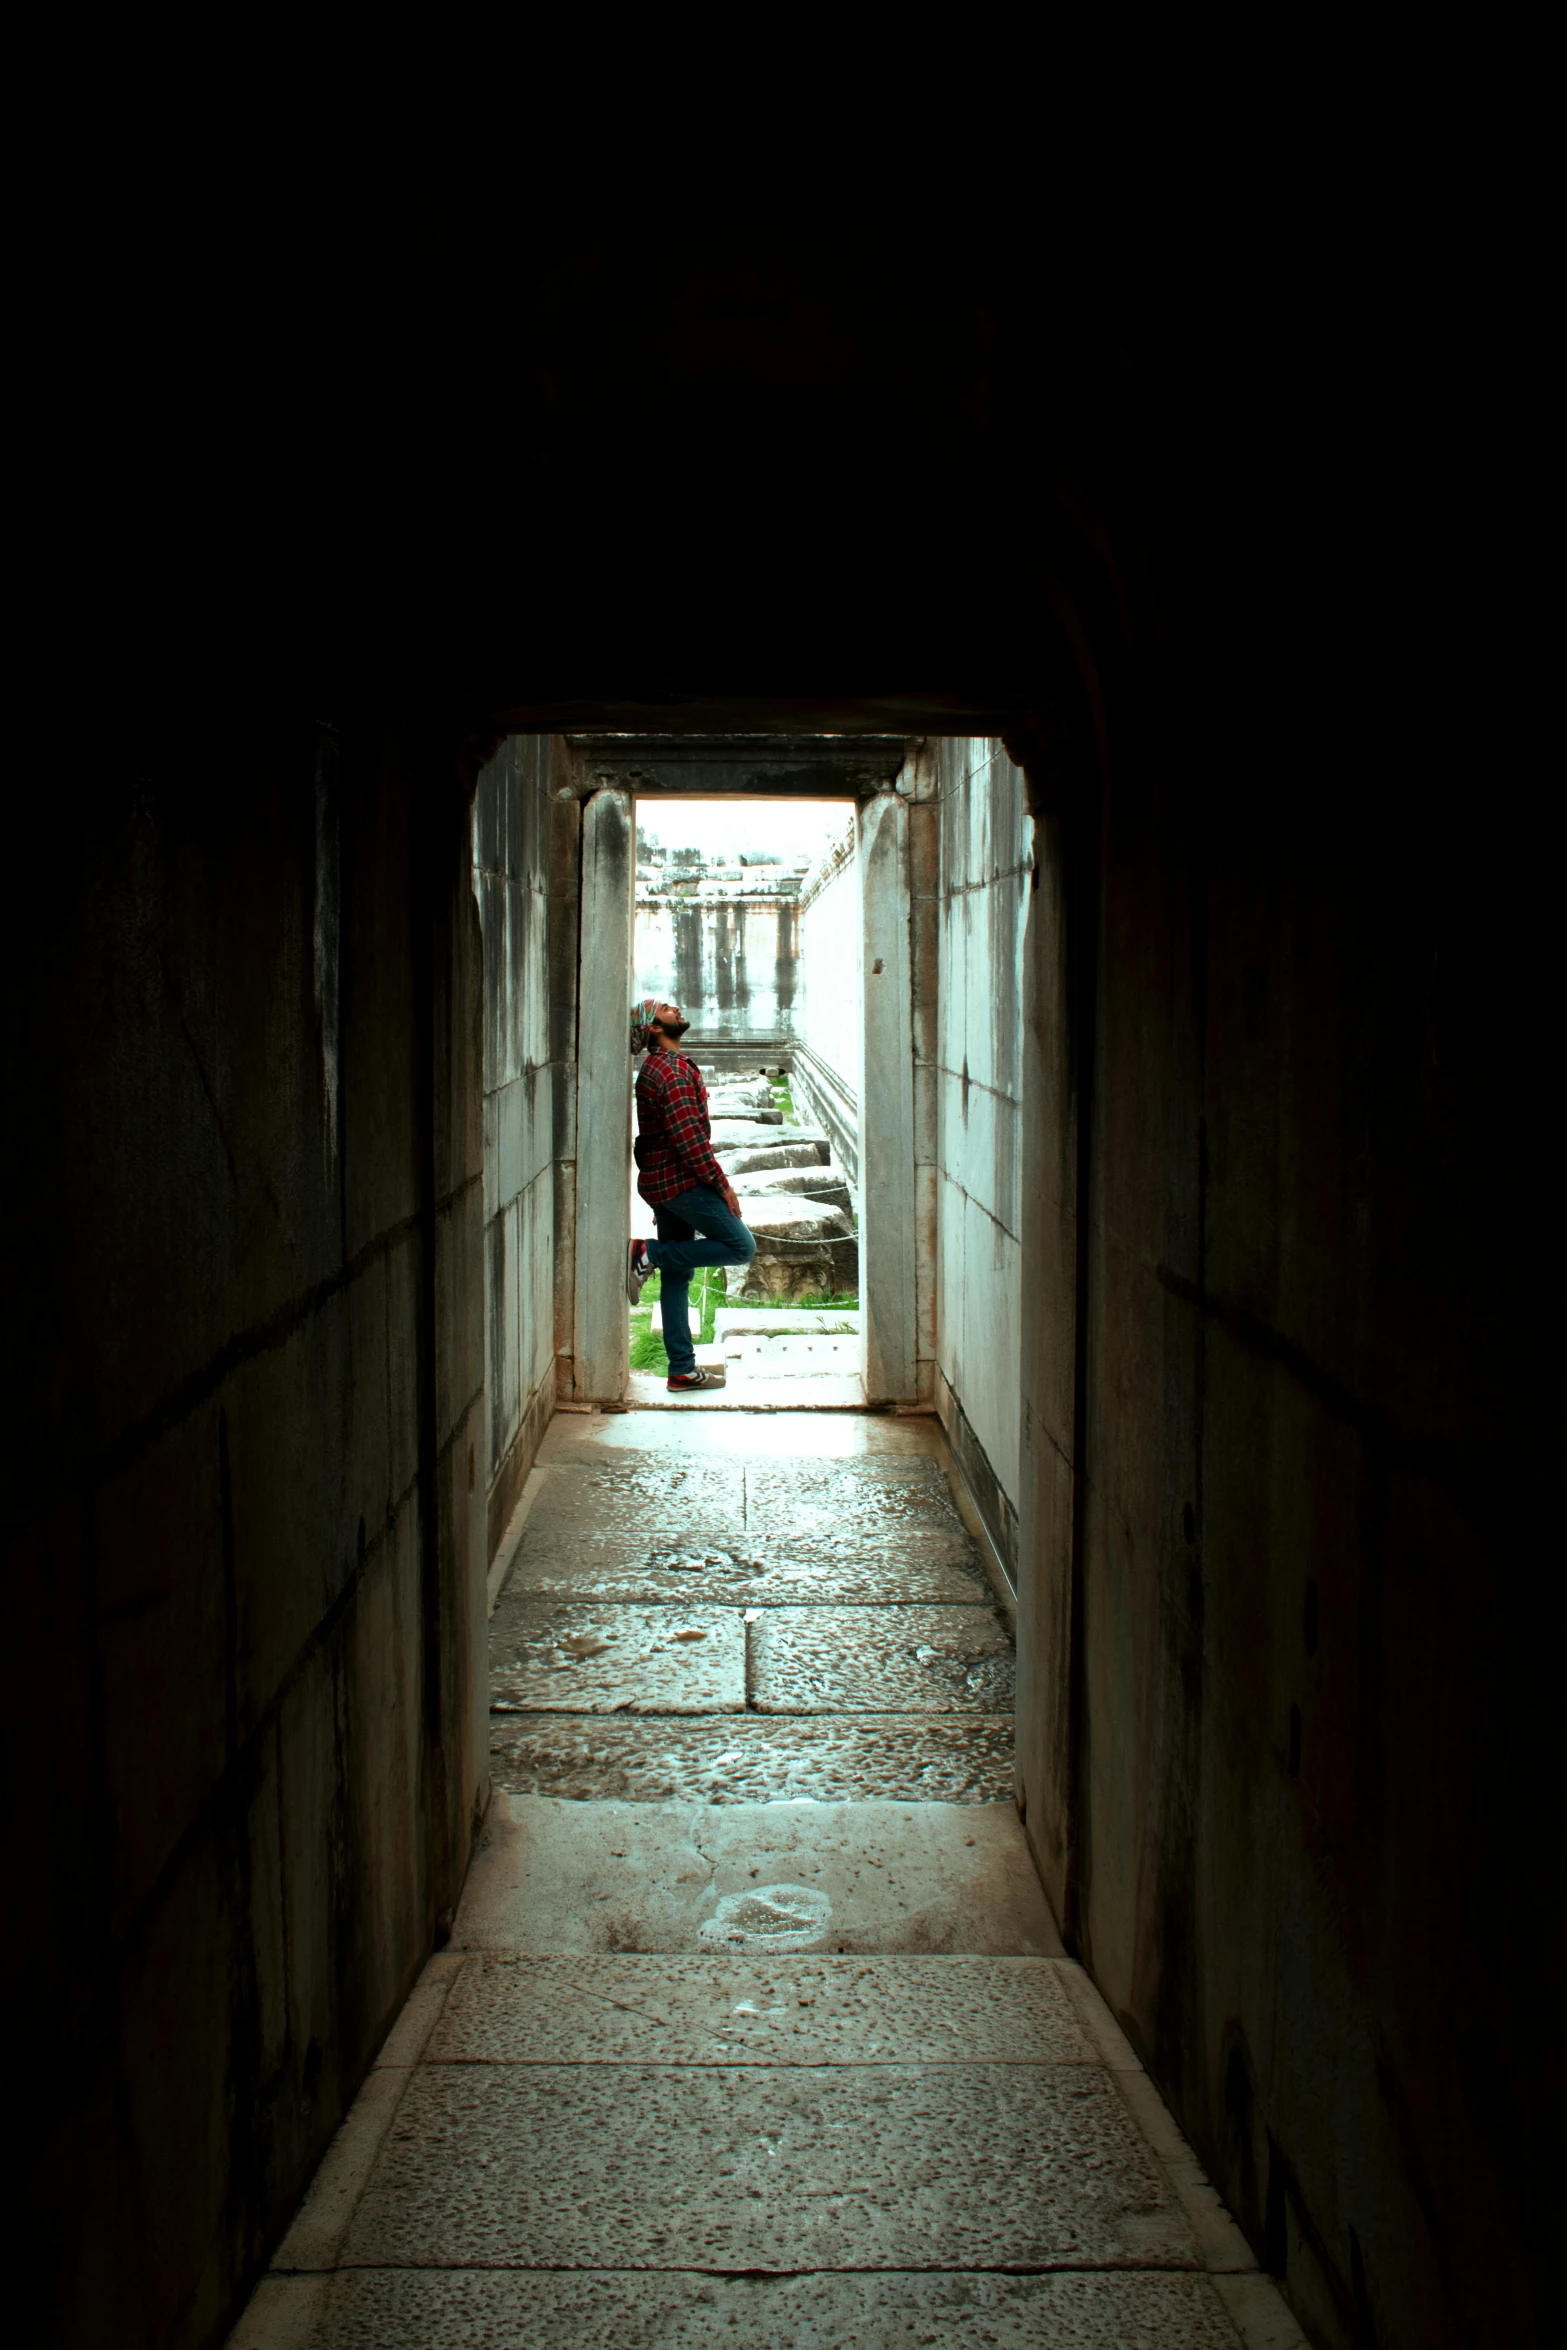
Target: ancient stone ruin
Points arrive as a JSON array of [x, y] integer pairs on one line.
[[793, 1195]]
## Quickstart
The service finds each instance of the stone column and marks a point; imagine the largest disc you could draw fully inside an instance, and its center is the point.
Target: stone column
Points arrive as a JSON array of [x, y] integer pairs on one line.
[[887, 1205], [601, 1336]]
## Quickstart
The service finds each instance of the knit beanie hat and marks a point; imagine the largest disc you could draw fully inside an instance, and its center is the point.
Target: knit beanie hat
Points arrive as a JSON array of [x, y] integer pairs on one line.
[[643, 1015]]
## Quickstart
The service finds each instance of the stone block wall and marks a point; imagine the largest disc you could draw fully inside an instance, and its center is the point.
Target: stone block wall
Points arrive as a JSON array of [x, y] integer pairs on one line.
[[529, 1088], [1287, 1648], [982, 889], [829, 1035], [243, 1536]]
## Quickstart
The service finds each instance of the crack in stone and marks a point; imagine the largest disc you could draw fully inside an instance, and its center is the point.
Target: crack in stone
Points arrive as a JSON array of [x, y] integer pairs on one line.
[[626, 2006], [710, 1858]]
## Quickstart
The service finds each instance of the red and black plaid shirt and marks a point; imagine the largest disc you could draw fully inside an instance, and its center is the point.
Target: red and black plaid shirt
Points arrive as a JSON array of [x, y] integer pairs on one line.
[[674, 1150]]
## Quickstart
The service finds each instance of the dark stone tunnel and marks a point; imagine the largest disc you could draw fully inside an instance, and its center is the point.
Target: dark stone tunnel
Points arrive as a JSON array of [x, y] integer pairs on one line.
[[1072, 465]]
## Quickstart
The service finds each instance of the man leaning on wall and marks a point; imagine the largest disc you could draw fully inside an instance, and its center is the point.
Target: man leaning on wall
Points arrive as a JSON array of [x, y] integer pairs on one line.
[[693, 1201]]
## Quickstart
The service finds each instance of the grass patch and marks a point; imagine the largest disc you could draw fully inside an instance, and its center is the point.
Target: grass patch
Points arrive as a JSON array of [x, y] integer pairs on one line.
[[648, 1352], [783, 1100]]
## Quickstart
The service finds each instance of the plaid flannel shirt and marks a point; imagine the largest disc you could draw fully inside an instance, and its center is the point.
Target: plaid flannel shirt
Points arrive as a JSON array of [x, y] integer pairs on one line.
[[674, 1147]]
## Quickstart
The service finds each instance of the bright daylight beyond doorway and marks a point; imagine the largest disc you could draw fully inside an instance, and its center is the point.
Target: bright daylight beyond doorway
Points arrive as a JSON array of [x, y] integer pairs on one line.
[[748, 917]]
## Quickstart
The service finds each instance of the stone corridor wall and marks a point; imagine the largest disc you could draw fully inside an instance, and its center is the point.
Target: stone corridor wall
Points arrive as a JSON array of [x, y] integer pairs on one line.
[[829, 1028], [529, 1099], [982, 887], [1285, 1679], [243, 1534]]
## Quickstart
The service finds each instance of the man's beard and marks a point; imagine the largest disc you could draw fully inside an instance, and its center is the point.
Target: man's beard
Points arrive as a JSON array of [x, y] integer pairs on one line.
[[673, 1029]]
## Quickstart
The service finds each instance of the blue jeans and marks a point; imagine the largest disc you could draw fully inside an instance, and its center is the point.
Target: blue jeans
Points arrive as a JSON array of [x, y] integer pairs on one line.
[[677, 1252]]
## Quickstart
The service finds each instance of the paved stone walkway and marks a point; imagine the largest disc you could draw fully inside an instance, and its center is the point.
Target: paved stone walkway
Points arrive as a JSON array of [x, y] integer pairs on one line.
[[754, 2028]]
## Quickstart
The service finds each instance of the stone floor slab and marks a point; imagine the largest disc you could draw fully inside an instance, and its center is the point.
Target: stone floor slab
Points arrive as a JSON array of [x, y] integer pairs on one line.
[[599, 1479], [409, 2309], [900, 1492], [624, 1454], [896, 1659], [754, 2167], [863, 1515], [800, 2009], [875, 1876], [710, 2038], [755, 1758], [594, 1510], [549, 1655], [647, 1392], [742, 1572], [788, 1435]]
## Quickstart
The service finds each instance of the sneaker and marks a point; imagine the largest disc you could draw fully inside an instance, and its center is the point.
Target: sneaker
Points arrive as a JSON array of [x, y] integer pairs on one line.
[[679, 1381], [639, 1270]]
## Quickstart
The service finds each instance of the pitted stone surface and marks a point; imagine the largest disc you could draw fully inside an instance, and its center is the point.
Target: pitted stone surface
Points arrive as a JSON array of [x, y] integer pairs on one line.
[[743, 1573], [891, 1500], [648, 1531], [549, 1655], [606, 1515], [504, 2009], [905, 1659], [755, 1758], [896, 1521], [746, 2167], [647, 1477], [409, 2309], [604, 1877]]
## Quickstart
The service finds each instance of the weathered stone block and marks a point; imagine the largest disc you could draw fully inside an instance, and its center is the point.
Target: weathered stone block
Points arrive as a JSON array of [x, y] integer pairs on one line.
[[548, 1656], [767, 2168], [749, 1097], [795, 1219], [739, 1127], [827, 1195], [905, 1659], [756, 1758], [812, 1182], [811, 1151], [797, 1269]]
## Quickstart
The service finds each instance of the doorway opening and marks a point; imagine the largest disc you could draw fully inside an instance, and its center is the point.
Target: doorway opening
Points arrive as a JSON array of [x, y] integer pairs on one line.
[[748, 915]]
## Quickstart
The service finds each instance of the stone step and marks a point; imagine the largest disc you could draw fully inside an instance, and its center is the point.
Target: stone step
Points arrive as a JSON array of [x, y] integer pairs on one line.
[[798, 1151], [793, 1354], [744, 1098], [782, 1218], [811, 1182], [822, 1185], [769, 1322]]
